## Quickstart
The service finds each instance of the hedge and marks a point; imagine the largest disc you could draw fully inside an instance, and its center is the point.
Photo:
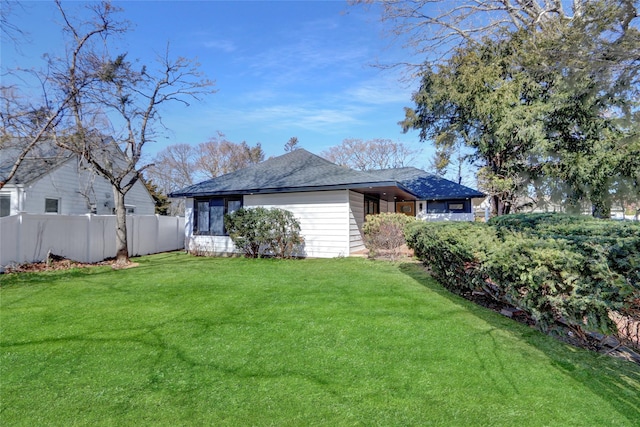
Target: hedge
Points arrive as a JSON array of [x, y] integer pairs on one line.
[[555, 267]]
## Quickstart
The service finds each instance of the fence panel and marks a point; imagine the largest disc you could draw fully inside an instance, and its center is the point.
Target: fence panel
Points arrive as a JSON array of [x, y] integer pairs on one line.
[[86, 238], [9, 239], [102, 237], [170, 231]]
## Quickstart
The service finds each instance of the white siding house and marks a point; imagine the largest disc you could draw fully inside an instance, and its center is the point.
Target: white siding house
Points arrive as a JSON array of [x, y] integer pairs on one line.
[[326, 221], [329, 201], [63, 185]]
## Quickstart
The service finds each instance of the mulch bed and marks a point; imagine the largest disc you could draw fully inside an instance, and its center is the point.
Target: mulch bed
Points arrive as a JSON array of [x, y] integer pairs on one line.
[[53, 263]]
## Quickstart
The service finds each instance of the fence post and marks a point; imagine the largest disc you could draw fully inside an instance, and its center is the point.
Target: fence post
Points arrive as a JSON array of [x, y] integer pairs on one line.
[[19, 240], [157, 240], [89, 255]]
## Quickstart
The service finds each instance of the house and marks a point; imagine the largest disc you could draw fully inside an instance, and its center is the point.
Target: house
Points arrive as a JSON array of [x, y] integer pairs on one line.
[[329, 201], [52, 181]]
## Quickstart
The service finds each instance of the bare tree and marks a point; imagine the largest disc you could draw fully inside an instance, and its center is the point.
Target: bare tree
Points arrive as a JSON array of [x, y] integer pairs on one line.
[[219, 156], [432, 28], [174, 168], [8, 30], [291, 145], [28, 120], [101, 86], [24, 125], [102, 108], [372, 154]]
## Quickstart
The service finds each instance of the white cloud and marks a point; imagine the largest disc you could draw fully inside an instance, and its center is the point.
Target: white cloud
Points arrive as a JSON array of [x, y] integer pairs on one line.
[[223, 45], [291, 116], [380, 90]]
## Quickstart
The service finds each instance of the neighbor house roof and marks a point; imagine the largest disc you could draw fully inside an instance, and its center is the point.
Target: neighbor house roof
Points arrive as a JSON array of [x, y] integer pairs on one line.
[[301, 170], [42, 159]]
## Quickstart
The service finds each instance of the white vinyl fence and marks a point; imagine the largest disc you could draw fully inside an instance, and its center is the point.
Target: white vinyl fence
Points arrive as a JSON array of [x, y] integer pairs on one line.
[[85, 238]]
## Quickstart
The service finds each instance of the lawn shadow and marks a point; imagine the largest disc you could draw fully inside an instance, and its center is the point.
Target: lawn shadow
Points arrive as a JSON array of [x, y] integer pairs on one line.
[[604, 375]]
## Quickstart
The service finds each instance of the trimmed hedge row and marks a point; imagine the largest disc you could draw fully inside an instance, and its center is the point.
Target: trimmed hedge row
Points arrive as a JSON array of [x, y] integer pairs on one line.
[[554, 267], [619, 242]]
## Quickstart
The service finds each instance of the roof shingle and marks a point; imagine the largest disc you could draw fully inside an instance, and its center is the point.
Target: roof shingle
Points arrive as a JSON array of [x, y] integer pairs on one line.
[[301, 170]]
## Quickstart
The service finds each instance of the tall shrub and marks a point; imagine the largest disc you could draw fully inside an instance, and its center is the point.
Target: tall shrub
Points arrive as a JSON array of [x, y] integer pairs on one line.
[[385, 232], [284, 238], [264, 232], [577, 270], [553, 282], [249, 229]]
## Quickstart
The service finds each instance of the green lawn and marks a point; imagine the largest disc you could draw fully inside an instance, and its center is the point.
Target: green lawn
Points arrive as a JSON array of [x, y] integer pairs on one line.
[[181, 340]]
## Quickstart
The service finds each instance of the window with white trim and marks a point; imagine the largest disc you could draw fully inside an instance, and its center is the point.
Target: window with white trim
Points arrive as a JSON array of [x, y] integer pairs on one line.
[[51, 206], [5, 205]]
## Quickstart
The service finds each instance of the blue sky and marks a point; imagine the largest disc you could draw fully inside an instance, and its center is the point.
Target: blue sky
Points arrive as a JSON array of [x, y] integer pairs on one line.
[[282, 69]]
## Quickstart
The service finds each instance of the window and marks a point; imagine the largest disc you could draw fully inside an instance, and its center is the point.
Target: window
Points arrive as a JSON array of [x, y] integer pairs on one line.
[[5, 205], [371, 205], [52, 206], [209, 214], [128, 209], [435, 207], [446, 206]]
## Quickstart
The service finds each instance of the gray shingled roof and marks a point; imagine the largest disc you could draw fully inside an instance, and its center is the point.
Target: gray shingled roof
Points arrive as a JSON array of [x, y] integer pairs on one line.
[[298, 170], [301, 170], [427, 186], [42, 159]]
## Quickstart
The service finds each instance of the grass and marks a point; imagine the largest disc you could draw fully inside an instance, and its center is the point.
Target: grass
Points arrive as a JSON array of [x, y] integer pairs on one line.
[[181, 340]]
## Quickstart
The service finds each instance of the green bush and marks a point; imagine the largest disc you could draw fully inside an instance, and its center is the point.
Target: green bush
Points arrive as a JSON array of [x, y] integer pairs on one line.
[[385, 231], [285, 238], [553, 282], [249, 229], [264, 232], [617, 241], [556, 267], [454, 251]]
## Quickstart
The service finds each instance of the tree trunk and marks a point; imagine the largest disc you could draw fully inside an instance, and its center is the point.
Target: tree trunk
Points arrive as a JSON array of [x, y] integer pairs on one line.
[[122, 251]]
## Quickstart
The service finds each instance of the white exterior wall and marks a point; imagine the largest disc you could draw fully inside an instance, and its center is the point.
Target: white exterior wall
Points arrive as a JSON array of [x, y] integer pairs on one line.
[[327, 223], [356, 221], [323, 217], [76, 188]]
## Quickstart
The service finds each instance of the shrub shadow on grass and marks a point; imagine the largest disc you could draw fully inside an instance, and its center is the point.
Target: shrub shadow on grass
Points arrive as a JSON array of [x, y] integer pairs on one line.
[[603, 375]]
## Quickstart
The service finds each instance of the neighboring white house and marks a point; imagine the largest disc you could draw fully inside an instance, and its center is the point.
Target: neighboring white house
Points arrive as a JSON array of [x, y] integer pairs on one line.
[[50, 181], [329, 201]]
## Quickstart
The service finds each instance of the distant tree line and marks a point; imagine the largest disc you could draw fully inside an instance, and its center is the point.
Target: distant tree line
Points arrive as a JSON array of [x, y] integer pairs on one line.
[[180, 165]]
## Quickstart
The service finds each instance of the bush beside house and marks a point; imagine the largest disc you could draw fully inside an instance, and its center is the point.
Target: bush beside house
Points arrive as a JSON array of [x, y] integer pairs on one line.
[[259, 232], [384, 233]]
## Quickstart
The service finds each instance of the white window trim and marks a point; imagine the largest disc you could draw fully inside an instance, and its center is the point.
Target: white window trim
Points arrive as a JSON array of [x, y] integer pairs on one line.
[[59, 202], [8, 196]]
